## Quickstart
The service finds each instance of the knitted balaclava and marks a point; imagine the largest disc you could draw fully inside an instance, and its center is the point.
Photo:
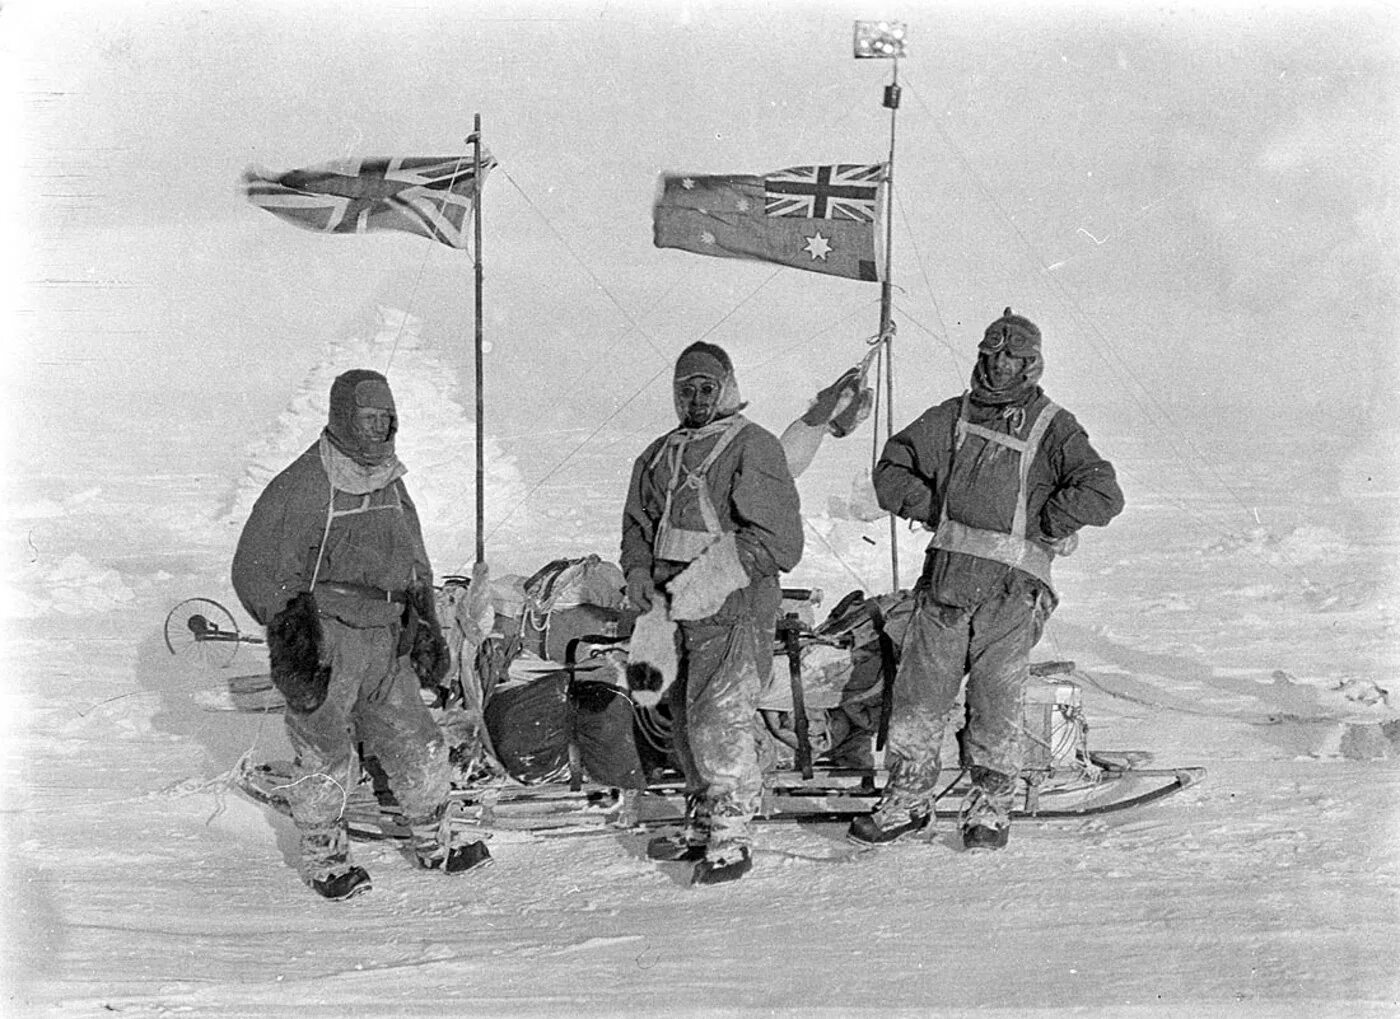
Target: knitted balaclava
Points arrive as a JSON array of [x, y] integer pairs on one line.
[[352, 390], [700, 362], [1020, 337]]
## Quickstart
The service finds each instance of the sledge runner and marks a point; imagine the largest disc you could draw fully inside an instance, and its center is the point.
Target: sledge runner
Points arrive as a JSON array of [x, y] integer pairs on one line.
[[332, 562], [711, 519], [1005, 479]]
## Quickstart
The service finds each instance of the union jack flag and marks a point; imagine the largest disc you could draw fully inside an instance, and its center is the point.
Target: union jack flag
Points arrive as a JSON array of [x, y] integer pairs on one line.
[[843, 191], [426, 195]]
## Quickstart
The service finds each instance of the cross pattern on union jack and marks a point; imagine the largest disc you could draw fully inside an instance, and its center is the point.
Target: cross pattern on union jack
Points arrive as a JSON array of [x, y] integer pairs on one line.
[[843, 191], [426, 195]]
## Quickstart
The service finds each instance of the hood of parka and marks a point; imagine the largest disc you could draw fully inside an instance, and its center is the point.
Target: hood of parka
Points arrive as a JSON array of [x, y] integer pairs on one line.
[[1019, 337], [701, 362], [351, 391]]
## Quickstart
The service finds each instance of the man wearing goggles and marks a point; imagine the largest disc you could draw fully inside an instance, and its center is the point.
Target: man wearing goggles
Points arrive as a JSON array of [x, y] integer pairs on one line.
[[711, 520], [1005, 479]]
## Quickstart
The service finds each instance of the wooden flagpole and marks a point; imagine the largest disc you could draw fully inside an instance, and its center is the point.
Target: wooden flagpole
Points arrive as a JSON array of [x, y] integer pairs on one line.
[[480, 367], [891, 102], [884, 40]]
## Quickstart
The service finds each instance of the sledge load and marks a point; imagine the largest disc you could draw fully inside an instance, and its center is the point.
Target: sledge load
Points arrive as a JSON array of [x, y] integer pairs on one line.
[[546, 736]]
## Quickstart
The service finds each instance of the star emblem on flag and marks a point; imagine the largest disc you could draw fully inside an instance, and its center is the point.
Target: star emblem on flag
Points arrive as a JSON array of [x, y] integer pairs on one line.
[[819, 218]]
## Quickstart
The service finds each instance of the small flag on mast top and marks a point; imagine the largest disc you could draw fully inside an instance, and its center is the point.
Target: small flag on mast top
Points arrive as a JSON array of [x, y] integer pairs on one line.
[[818, 218], [426, 195]]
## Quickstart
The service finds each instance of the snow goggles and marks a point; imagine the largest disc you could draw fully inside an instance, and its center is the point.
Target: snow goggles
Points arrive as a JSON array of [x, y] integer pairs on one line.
[[1016, 342], [702, 386]]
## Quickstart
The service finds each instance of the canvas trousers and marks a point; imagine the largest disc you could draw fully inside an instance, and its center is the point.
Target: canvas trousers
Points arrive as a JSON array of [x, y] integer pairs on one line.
[[373, 702], [989, 644], [714, 708]]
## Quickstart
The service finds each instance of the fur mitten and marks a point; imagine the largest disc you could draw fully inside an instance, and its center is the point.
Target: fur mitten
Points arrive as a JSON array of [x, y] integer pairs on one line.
[[849, 417], [294, 651], [700, 589], [651, 656], [427, 647], [843, 405], [833, 398]]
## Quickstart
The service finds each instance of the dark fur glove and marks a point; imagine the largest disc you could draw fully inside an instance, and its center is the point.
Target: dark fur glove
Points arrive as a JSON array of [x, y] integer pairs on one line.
[[828, 401], [427, 647], [294, 651]]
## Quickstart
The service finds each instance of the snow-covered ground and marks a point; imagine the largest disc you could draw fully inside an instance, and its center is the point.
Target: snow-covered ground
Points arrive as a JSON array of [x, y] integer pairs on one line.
[[1195, 202], [1257, 639]]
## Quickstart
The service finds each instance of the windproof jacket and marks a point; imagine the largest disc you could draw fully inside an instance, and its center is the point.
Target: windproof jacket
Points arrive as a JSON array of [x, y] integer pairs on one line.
[[748, 484], [961, 465], [373, 540]]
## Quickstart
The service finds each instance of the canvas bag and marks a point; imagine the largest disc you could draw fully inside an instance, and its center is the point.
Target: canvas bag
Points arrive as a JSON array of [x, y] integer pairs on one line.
[[549, 724], [570, 598]]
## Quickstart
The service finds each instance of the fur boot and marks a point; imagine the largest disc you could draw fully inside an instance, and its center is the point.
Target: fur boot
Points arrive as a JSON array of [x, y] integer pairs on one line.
[[294, 652], [700, 590], [651, 659]]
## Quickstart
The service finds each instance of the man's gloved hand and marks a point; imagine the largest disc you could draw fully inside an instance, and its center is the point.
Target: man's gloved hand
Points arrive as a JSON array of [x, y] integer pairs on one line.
[[1066, 545], [829, 401], [427, 649], [848, 418], [294, 641], [641, 591]]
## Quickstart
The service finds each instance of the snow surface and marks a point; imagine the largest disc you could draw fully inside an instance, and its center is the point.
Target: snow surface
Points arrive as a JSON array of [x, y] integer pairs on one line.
[[1195, 202], [139, 881]]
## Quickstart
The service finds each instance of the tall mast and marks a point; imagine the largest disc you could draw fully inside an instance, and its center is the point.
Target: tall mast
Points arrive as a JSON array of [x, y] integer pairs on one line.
[[480, 367], [891, 102], [884, 40]]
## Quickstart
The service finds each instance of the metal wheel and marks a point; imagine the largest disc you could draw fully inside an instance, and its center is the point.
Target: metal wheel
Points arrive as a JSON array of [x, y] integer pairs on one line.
[[203, 631]]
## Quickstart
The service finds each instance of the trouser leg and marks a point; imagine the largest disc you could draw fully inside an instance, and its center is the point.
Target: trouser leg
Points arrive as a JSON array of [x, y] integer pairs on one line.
[[677, 697], [398, 730], [933, 660], [1003, 631], [720, 711], [325, 766]]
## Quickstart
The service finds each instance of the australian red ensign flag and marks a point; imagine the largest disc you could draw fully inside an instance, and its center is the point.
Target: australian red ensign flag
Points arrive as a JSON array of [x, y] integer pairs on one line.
[[819, 218], [426, 195]]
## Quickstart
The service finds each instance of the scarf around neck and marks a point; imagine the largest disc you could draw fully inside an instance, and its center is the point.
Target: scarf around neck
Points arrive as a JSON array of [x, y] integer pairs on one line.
[[347, 475], [1018, 391]]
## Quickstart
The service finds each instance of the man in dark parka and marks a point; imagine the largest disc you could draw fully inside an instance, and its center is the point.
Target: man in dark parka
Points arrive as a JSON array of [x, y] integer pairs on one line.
[[1005, 479], [332, 562]]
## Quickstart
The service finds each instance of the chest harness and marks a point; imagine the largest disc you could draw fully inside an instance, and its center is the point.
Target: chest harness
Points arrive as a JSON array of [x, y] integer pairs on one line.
[[1013, 548], [355, 504], [680, 544]]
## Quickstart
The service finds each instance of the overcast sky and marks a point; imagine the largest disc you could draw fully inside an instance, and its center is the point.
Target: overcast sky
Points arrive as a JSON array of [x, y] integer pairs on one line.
[[1197, 203]]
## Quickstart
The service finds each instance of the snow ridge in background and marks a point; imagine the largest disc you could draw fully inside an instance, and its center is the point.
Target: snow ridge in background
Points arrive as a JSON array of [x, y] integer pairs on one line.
[[436, 440]]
